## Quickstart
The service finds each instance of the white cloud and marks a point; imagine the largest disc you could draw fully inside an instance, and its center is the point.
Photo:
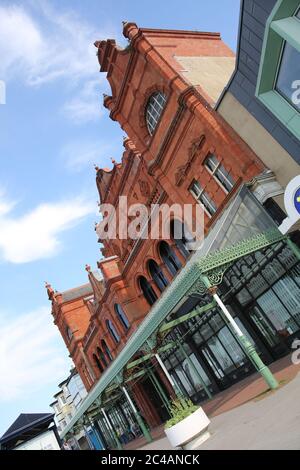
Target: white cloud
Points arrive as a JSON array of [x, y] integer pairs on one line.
[[40, 44], [78, 154], [35, 235], [30, 356], [85, 106], [44, 45]]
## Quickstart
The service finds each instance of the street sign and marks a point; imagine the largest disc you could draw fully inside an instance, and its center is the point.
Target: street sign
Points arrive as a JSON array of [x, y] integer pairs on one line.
[[292, 205]]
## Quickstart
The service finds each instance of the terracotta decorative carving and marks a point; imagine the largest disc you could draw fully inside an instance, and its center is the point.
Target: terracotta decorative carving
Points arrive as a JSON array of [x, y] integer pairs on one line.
[[144, 188], [184, 170]]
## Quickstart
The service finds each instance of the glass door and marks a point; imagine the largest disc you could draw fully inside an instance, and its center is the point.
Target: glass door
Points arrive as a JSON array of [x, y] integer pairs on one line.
[[221, 350]]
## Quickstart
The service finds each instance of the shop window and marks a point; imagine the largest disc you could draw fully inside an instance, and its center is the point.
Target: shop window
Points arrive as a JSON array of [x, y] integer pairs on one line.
[[273, 209]]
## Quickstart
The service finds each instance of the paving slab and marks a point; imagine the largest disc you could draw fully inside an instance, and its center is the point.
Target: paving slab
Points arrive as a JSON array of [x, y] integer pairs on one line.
[[269, 422]]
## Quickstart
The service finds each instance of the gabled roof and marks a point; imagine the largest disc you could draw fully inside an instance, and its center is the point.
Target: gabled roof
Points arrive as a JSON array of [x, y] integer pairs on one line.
[[27, 424], [77, 292]]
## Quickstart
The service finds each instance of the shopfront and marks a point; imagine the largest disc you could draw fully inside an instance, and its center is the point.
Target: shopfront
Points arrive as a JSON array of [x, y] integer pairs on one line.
[[262, 292]]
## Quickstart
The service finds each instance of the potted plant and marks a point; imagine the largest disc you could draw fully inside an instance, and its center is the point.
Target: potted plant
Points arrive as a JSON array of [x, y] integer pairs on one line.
[[188, 426]]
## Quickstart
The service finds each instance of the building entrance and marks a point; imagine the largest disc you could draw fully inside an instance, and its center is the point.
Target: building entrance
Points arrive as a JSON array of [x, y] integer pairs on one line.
[[154, 396]]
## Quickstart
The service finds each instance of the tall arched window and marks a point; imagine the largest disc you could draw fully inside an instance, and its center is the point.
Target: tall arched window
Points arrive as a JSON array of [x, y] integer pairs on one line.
[[155, 106], [106, 350], [112, 330], [157, 275], [147, 290], [169, 258], [122, 317], [102, 357], [98, 363], [69, 333], [183, 239]]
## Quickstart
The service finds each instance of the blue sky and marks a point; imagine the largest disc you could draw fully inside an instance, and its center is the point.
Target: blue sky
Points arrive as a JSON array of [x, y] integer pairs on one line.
[[53, 129]]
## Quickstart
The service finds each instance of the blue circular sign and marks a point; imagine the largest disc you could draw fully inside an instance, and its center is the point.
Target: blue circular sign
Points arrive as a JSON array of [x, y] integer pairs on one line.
[[297, 200]]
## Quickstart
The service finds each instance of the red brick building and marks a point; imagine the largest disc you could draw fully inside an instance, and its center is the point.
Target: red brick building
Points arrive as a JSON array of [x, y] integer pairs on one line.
[[179, 150]]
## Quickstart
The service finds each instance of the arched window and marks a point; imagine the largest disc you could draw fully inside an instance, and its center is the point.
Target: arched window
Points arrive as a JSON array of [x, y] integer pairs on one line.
[[157, 275], [169, 258], [155, 106], [147, 290], [183, 239], [122, 316], [98, 363], [69, 333], [112, 330], [102, 357], [106, 350]]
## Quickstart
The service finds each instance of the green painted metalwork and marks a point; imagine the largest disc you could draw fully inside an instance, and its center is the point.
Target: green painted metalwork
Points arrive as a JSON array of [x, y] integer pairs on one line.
[[138, 375], [139, 419], [248, 347], [159, 388], [294, 248], [111, 430], [188, 316], [149, 356], [184, 284]]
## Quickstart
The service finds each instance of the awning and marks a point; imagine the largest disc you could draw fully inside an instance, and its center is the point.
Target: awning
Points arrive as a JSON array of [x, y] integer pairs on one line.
[[243, 228]]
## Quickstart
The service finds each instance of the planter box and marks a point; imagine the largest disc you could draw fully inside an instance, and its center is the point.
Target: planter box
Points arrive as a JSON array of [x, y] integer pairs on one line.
[[191, 432]]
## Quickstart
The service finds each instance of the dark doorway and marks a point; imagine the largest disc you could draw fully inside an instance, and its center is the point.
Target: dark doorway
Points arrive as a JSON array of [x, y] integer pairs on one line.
[[155, 399]]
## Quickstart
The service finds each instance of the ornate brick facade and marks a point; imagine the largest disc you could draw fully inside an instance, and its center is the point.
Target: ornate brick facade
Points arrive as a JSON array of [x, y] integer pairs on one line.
[[154, 168]]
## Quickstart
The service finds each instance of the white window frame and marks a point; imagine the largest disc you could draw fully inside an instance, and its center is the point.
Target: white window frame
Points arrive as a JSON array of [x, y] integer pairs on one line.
[[153, 115], [202, 193], [215, 171]]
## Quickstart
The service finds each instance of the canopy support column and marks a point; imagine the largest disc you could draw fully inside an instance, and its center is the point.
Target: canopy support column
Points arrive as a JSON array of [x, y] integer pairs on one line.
[[138, 417], [119, 445], [159, 389], [248, 347], [173, 384]]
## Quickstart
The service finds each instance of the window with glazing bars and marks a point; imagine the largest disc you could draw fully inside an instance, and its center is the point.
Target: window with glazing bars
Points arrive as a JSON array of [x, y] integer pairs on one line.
[[219, 172], [198, 192], [154, 109]]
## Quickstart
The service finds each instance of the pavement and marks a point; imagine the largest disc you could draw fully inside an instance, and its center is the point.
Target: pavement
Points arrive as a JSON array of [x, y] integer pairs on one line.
[[267, 423], [249, 417]]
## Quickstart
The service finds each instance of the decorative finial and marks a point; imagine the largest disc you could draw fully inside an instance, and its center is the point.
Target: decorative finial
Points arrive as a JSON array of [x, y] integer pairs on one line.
[[113, 160], [50, 290], [96, 168], [88, 268]]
